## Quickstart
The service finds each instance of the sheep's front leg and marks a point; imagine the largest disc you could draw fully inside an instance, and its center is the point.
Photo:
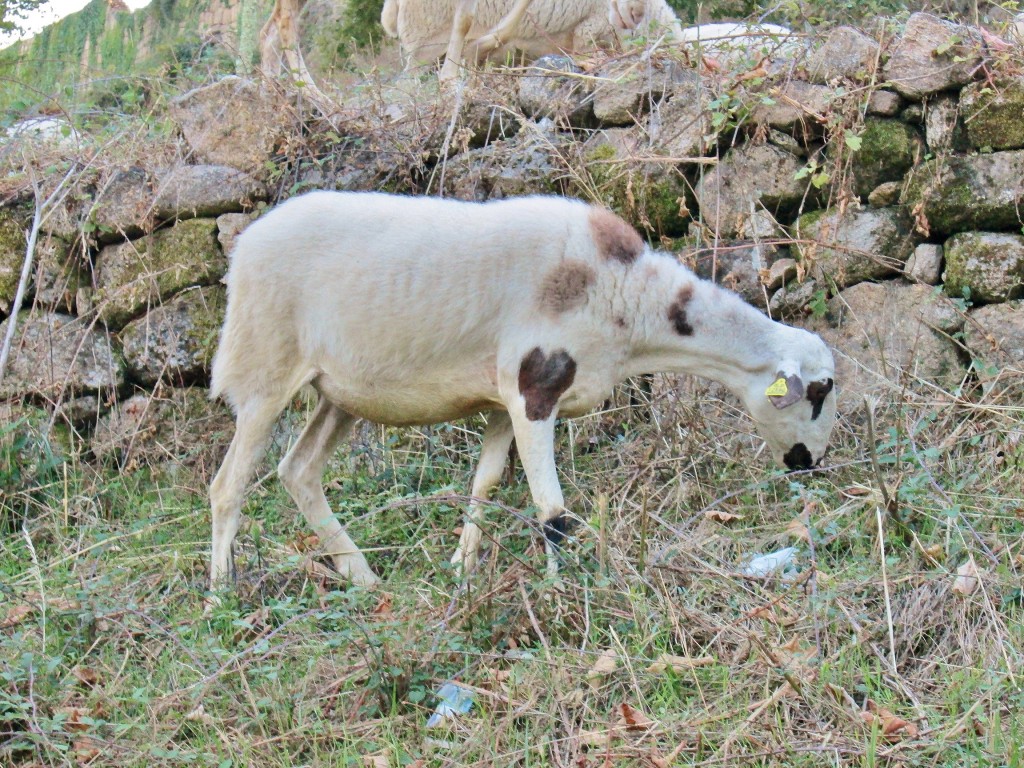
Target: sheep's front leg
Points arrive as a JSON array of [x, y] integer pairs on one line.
[[493, 457], [535, 441], [301, 471]]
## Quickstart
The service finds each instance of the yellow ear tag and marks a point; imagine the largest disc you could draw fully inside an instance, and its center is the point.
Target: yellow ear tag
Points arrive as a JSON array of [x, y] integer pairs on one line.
[[778, 388]]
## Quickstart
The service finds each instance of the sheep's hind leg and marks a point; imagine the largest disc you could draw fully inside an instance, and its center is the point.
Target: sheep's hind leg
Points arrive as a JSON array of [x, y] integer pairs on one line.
[[493, 457], [252, 430], [301, 471]]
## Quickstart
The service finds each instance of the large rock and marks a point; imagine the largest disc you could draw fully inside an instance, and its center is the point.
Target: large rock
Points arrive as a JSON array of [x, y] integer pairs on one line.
[[13, 222], [552, 87], [175, 343], [627, 174], [954, 194], [889, 148], [847, 249], [749, 178], [995, 338], [145, 273], [888, 335], [528, 164], [796, 106], [625, 88], [680, 126], [933, 55], [122, 206], [989, 265], [994, 116], [61, 275], [169, 430], [232, 122], [56, 357], [741, 267], [191, 191], [846, 54]]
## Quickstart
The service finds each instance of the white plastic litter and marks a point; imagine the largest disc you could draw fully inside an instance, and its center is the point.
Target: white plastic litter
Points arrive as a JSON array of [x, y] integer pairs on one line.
[[766, 565], [454, 700]]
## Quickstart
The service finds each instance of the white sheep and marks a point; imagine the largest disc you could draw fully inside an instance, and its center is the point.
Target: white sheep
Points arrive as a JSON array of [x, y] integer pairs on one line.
[[407, 311], [428, 29]]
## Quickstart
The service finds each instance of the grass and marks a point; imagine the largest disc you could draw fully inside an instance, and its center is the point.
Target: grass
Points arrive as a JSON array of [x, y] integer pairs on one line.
[[653, 648]]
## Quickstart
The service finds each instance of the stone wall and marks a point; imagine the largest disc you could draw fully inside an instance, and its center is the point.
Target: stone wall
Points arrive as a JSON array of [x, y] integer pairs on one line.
[[868, 188]]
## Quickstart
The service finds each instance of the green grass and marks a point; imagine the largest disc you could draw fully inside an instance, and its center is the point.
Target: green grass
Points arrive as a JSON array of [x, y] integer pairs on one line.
[[107, 658]]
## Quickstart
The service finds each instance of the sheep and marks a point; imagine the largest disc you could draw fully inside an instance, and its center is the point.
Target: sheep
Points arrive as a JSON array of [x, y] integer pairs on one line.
[[412, 311], [428, 29]]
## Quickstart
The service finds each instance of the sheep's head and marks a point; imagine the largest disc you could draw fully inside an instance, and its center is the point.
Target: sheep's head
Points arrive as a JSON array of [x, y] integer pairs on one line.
[[795, 405]]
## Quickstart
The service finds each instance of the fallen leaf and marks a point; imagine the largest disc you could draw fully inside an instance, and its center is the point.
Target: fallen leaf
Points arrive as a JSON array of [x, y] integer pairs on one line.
[[306, 543], [376, 761], [383, 607], [606, 663], [855, 490], [86, 750], [967, 576], [720, 516], [633, 719], [678, 663], [891, 725], [87, 676], [73, 718], [798, 530], [16, 615]]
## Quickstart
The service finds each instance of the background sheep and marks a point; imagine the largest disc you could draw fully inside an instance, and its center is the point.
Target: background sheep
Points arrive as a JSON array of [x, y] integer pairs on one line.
[[410, 311], [428, 29]]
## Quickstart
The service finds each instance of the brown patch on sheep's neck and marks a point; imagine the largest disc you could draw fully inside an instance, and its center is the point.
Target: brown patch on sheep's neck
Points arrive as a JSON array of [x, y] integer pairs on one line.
[[566, 287], [543, 379], [677, 311], [614, 238]]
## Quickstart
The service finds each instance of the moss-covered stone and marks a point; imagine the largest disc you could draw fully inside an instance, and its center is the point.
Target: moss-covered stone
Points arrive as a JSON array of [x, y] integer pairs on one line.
[[849, 248], [654, 197], [56, 357], [147, 272], [176, 342], [888, 150], [13, 220], [989, 265], [750, 178], [994, 116], [956, 194]]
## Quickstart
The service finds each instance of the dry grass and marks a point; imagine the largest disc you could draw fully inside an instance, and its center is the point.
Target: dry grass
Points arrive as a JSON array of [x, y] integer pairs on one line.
[[108, 660]]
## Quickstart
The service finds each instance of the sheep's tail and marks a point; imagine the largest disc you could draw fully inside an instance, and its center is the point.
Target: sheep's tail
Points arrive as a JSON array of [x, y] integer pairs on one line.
[[389, 17]]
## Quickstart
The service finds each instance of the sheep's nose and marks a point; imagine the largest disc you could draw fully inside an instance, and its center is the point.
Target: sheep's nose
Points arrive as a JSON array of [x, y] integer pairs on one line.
[[798, 457]]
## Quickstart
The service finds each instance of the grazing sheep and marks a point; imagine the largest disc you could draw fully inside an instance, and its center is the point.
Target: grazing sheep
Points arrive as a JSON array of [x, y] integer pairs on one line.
[[406, 311], [428, 29]]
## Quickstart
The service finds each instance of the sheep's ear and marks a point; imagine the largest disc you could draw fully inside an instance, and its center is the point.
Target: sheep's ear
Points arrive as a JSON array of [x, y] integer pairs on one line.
[[785, 390]]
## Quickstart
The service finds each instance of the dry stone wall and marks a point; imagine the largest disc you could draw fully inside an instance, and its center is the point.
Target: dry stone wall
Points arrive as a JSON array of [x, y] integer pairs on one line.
[[869, 188]]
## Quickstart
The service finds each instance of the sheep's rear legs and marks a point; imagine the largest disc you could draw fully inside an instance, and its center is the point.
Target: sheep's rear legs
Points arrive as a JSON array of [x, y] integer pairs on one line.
[[227, 491], [301, 471], [493, 457]]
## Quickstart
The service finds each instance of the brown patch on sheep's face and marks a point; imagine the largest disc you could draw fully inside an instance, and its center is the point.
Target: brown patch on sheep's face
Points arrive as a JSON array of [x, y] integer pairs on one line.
[[614, 238], [677, 311], [817, 391], [543, 379], [565, 287]]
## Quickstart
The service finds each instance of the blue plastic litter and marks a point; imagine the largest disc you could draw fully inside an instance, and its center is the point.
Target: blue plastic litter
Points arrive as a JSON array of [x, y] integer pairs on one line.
[[454, 700]]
